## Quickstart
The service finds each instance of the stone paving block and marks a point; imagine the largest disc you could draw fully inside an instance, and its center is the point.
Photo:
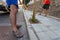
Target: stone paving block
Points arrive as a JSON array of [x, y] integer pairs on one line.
[[43, 36], [37, 28], [32, 34], [51, 34], [46, 20], [53, 28], [40, 27], [57, 33], [43, 20]]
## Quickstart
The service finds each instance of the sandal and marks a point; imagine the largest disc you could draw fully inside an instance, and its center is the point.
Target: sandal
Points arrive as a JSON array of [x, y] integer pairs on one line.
[[40, 14], [17, 34], [19, 26]]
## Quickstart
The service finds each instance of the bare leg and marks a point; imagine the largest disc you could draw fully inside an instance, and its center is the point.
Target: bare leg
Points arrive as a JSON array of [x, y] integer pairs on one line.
[[46, 12], [13, 13], [41, 12]]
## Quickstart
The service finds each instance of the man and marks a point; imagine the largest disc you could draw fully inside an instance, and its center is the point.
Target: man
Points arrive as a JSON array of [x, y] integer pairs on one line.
[[46, 6], [13, 5]]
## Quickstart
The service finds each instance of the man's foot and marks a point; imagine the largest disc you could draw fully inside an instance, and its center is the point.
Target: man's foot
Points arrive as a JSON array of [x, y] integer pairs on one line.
[[19, 26], [40, 14], [45, 15], [18, 34]]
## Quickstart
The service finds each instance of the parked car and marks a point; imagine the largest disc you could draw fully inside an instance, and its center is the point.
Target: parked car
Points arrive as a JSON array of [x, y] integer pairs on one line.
[[3, 9]]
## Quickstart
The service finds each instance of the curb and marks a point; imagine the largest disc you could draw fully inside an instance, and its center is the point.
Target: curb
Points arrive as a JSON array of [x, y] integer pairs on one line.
[[31, 33]]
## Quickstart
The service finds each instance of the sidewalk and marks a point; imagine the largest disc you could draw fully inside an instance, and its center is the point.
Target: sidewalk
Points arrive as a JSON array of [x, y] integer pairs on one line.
[[48, 29]]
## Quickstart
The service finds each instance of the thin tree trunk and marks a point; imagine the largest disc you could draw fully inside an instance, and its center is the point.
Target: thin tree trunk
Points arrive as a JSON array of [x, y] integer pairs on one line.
[[34, 9]]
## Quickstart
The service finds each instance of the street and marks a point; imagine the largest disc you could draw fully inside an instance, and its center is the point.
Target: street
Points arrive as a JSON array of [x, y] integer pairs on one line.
[[6, 29], [40, 27], [4, 19]]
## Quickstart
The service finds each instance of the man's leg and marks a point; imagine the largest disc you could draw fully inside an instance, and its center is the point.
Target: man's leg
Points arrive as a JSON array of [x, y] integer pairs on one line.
[[41, 12], [13, 13], [43, 9], [46, 12]]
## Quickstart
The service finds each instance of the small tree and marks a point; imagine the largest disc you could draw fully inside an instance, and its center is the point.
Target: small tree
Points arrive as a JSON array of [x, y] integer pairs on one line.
[[33, 19]]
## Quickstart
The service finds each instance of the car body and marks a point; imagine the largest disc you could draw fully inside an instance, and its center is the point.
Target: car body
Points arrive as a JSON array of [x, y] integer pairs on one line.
[[3, 8]]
